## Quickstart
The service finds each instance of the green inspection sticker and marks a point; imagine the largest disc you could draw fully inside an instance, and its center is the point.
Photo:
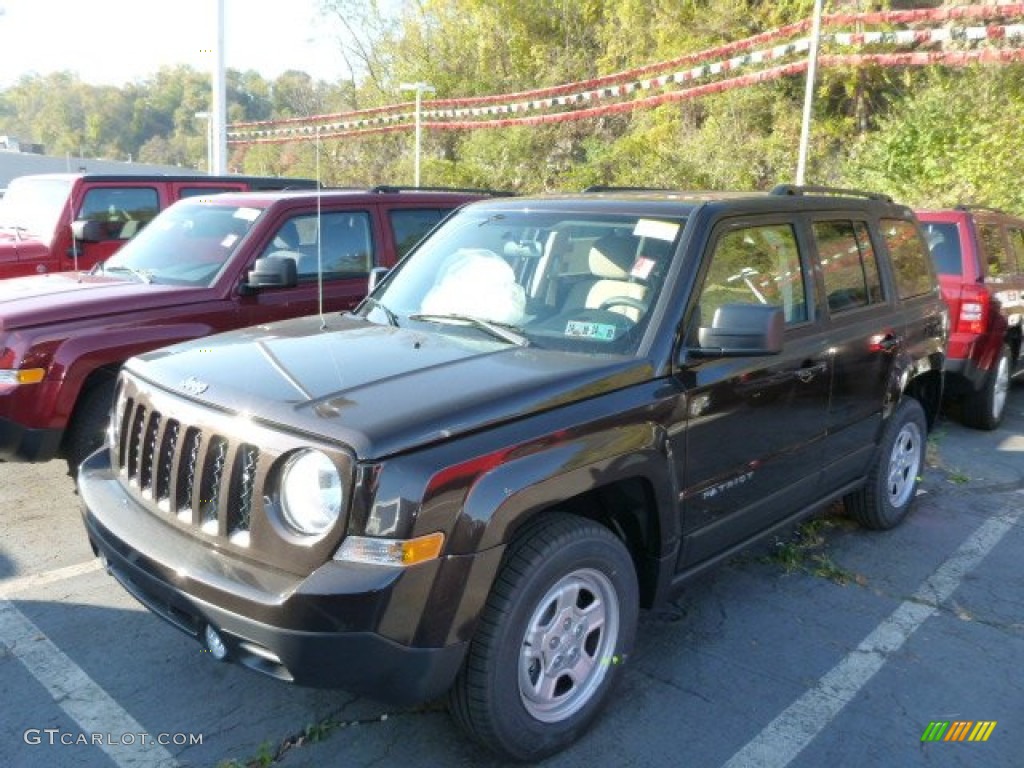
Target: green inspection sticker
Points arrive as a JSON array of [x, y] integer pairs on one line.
[[581, 330]]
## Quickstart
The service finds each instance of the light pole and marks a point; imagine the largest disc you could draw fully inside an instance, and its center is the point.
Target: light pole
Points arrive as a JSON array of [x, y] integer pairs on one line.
[[209, 140], [420, 88], [812, 69]]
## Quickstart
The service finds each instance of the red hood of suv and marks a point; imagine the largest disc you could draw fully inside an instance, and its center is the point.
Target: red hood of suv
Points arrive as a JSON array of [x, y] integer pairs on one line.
[[63, 296]]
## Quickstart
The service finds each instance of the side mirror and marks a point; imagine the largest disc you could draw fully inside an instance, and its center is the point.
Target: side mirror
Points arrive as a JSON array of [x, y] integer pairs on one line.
[[273, 272], [376, 275], [88, 231], [739, 330]]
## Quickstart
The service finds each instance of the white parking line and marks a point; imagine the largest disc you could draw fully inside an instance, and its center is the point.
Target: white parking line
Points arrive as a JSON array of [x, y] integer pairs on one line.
[[11, 586], [72, 689], [789, 733]]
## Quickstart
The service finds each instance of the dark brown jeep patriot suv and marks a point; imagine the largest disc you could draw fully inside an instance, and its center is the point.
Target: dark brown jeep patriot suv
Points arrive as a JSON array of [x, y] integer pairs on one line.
[[549, 415]]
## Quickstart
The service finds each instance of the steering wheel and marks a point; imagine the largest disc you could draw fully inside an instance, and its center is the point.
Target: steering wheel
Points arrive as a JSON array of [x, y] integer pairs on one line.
[[623, 301]]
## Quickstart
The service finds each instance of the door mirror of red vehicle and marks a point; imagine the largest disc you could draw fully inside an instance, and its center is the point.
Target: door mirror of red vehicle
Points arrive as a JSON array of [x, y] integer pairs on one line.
[[273, 272], [376, 275], [88, 231]]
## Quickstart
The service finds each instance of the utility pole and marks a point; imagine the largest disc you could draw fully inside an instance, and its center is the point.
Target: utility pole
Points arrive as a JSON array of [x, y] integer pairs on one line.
[[420, 88], [218, 111], [812, 71]]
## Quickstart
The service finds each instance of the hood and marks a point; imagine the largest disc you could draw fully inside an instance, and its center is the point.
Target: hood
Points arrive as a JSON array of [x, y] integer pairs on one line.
[[381, 390], [67, 296]]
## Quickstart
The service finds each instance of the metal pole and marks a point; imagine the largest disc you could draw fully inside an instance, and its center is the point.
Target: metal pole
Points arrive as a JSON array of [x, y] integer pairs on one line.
[[218, 116], [812, 70], [420, 89]]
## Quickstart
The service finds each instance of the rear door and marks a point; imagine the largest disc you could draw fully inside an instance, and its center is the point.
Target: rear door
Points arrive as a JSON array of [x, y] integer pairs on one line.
[[749, 446]]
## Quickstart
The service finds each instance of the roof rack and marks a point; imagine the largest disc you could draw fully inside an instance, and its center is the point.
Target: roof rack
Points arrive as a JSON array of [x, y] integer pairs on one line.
[[387, 189], [608, 188], [798, 190]]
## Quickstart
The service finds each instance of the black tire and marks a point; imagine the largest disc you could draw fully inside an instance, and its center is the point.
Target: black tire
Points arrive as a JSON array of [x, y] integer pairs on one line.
[[502, 697], [885, 498], [984, 409], [88, 426]]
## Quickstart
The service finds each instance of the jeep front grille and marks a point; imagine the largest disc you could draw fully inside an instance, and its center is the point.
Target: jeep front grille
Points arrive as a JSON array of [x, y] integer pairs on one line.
[[204, 479]]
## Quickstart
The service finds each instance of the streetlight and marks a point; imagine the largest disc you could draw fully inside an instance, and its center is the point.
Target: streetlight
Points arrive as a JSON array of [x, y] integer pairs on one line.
[[209, 139], [812, 69], [420, 89]]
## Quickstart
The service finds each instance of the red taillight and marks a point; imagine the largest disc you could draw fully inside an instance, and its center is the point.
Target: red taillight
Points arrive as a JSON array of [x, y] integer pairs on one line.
[[974, 303]]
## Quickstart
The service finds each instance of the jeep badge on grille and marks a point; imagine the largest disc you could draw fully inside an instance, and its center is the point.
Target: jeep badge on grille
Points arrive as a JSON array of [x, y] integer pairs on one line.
[[194, 386]]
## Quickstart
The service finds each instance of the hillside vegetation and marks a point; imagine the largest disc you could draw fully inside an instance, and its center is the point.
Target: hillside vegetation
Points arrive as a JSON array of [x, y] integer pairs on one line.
[[927, 135]]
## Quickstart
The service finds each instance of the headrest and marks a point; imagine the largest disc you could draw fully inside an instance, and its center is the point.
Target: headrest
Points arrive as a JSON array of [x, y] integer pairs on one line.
[[612, 257]]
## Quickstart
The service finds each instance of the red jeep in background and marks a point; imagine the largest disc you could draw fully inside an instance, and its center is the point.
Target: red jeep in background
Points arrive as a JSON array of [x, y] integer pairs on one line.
[[979, 256], [204, 265], [45, 218]]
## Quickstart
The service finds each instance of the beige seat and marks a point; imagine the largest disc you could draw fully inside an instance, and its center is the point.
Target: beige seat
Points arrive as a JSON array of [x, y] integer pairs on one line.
[[611, 258]]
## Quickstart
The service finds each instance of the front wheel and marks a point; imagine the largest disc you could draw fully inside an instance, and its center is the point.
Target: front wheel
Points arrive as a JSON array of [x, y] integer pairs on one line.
[[885, 498], [557, 627], [984, 409]]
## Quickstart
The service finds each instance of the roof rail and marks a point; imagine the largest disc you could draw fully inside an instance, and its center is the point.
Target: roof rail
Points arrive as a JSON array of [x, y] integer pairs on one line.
[[798, 190], [385, 189], [973, 207], [608, 188]]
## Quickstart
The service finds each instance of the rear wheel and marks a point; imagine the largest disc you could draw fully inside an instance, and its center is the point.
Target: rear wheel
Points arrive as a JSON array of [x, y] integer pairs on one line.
[[984, 409], [885, 498], [556, 629]]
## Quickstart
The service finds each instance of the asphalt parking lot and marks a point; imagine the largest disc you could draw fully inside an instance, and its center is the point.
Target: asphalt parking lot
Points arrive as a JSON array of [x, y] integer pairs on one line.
[[840, 647]]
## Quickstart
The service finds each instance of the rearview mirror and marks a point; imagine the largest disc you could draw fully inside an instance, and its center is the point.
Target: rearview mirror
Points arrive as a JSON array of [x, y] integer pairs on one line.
[[273, 272], [738, 330]]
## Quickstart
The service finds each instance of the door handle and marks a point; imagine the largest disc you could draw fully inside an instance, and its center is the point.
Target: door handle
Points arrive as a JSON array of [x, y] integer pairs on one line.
[[886, 343], [808, 371]]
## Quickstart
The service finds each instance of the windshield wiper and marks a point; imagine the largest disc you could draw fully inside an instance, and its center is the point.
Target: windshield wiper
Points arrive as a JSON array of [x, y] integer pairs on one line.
[[143, 276], [499, 331], [391, 316]]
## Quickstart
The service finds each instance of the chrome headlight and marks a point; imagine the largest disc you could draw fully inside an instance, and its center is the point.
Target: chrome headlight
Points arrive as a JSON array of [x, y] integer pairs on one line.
[[312, 494]]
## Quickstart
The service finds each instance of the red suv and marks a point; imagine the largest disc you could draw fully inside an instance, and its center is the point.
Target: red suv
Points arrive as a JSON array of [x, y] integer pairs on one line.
[[979, 255]]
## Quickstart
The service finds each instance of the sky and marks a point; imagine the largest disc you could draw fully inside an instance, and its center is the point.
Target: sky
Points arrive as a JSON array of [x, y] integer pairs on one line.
[[113, 42]]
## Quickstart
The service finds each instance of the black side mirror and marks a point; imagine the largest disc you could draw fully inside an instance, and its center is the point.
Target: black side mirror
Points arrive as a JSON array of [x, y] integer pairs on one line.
[[738, 330], [88, 231], [273, 272]]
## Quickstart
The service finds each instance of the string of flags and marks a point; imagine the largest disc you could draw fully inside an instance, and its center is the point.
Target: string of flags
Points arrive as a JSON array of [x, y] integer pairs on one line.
[[768, 56]]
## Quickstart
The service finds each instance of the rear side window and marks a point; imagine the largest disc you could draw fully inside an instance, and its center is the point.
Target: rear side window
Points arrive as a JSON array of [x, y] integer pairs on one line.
[[409, 225], [199, 191], [849, 265], [122, 211], [1017, 246], [944, 244], [996, 257], [909, 258]]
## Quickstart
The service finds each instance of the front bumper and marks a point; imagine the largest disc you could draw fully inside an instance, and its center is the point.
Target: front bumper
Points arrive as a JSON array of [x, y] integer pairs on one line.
[[318, 631], [21, 443]]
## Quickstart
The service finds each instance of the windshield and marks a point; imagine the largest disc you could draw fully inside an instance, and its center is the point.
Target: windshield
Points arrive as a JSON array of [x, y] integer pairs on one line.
[[187, 244], [34, 205], [556, 279]]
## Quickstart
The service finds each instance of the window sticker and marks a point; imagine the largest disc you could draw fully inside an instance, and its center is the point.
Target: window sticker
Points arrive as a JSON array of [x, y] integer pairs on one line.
[[249, 214], [642, 268], [582, 330], [659, 230], [228, 241]]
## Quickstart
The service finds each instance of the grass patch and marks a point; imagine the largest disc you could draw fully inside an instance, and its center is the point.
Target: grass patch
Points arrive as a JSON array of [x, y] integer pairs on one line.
[[804, 552]]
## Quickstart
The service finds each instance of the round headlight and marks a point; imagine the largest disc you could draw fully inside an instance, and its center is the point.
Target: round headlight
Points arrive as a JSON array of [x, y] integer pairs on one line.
[[311, 493]]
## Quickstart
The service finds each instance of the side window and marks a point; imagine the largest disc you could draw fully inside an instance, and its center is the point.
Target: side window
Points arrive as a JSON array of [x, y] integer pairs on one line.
[[409, 225], [848, 263], [340, 241], [201, 191], [910, 259], [755, 265], [122, 211], [995, 249], [1017, 246]]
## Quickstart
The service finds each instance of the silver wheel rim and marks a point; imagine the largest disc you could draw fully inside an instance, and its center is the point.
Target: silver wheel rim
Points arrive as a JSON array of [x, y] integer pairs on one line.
[[904, 464], [1000, 387], [569, 645]]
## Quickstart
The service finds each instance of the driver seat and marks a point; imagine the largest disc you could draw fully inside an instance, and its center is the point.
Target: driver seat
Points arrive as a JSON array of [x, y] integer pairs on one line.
[[610, 260]]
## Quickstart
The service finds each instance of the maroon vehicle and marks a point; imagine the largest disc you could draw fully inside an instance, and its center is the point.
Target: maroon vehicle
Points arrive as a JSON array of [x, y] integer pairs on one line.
[[58, 222], [979, 256], [204, 265]]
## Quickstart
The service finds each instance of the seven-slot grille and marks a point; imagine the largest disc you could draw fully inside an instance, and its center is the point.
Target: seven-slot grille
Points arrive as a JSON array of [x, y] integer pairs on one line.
[[204, 479]]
